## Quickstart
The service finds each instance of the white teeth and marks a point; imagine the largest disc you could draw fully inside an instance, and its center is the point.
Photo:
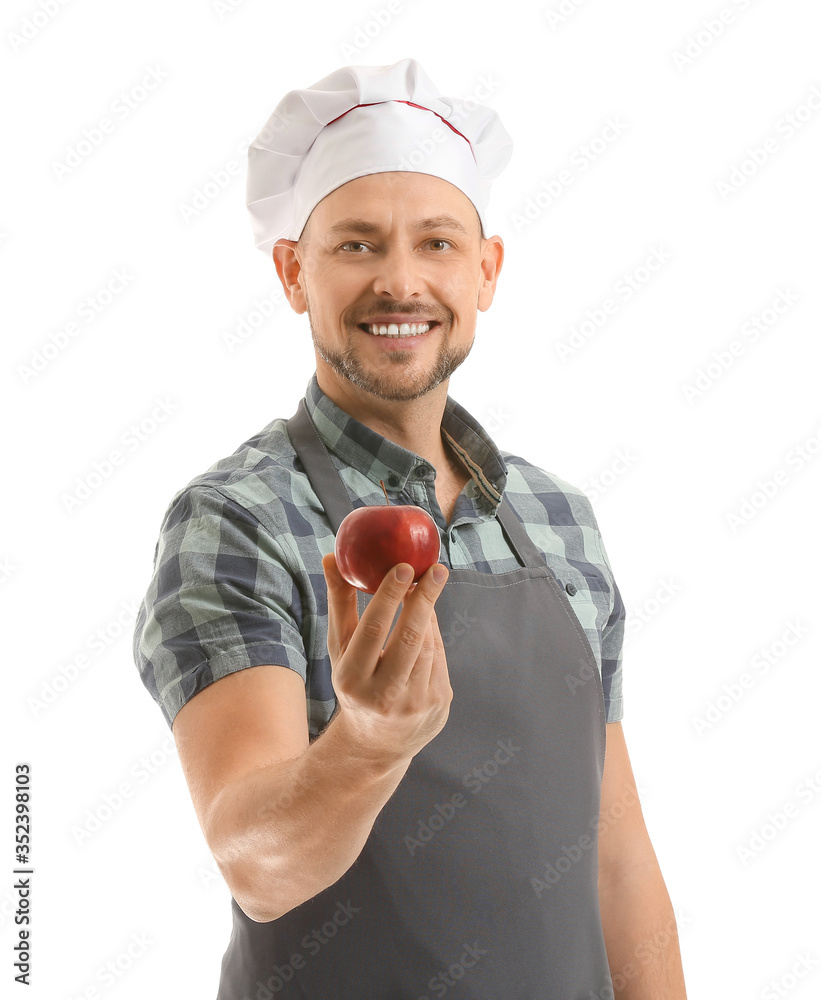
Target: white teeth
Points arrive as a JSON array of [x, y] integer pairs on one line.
[[399, 330]]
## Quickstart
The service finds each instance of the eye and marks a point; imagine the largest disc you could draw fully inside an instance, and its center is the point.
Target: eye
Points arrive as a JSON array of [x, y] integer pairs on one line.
[[353, 246], [439, 244]]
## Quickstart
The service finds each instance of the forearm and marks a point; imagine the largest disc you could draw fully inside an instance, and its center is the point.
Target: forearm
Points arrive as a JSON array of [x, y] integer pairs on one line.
[[640, 934], [289, 830]]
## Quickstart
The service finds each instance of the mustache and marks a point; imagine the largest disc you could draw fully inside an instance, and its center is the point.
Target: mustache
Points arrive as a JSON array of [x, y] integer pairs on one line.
[[411, 310]]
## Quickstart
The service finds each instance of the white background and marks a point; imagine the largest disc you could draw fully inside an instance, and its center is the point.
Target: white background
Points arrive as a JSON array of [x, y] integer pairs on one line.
[[118, 854]]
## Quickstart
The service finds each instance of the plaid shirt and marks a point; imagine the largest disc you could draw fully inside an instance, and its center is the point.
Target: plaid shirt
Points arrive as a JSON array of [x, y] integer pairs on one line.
[[238, 578]]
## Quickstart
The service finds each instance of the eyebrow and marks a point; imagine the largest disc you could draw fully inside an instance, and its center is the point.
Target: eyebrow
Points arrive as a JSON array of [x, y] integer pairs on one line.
[[361, 226]]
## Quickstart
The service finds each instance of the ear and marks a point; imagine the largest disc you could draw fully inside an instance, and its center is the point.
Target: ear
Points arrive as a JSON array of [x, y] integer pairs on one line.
[[288, 263], [493, 255]]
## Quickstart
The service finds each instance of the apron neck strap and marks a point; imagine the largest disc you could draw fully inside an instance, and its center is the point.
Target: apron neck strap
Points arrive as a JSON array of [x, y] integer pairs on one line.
[[319, 468]]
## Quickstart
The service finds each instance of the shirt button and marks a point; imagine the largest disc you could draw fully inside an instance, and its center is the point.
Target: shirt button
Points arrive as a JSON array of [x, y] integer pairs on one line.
[[393, 480], [571, 589], [422, 471]]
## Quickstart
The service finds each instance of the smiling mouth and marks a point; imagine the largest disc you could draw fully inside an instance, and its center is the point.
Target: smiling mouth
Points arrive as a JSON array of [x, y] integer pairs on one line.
[[397, 330]]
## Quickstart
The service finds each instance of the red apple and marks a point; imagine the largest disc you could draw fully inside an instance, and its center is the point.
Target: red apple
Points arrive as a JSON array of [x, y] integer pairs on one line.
[[372, 540]]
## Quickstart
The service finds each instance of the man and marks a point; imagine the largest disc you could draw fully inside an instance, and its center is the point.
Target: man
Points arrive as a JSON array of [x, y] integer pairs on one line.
[[408, 795]]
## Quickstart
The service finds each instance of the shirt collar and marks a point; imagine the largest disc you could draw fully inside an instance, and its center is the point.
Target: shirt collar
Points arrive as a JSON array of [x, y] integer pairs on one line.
[[379, 458]]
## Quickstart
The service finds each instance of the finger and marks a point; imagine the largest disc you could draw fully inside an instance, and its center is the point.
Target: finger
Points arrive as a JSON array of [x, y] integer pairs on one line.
[[342, 610], [439, 676], [430, 674], [366, 644], [419, 678], [412, 628]]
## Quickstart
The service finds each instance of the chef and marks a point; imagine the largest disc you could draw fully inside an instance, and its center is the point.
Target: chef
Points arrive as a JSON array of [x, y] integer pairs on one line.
[[424, 792]]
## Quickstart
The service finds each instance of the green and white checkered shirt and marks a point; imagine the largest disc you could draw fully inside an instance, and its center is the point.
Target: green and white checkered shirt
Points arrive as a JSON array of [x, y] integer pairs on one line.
[[238, 578]]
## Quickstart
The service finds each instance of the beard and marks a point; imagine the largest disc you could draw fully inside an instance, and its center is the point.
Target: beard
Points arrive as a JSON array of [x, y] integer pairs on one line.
[[403, 381]]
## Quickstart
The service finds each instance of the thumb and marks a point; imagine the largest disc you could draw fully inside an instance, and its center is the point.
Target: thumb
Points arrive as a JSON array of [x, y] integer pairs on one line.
[[337, 584], [331, 570], [343, 616]]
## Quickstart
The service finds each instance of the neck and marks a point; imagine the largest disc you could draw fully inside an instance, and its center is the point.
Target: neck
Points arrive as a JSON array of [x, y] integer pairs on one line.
[[414, 424]]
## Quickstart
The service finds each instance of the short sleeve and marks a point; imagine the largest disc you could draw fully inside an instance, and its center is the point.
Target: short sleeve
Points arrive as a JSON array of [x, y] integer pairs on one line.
[[612, 646], [222, 598]]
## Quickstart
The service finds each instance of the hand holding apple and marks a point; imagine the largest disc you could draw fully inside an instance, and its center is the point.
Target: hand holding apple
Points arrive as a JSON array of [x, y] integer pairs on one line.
[[389, 670], [372, 540]]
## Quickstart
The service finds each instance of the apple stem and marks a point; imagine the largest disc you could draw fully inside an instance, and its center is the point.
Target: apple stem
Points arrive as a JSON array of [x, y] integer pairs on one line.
[[387, 501]]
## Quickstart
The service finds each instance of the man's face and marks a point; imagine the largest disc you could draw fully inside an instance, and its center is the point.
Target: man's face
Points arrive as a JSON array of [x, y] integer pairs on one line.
[[386, 251]]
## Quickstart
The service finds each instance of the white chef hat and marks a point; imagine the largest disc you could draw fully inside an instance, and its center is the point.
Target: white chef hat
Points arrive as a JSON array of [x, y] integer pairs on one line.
[[366, 120]]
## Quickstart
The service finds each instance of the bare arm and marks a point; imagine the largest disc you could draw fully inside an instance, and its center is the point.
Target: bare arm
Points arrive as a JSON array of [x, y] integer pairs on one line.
[[284, 820], [637, 917]]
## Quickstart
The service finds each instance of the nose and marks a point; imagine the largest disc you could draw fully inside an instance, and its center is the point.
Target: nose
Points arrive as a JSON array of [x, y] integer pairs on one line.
[[399, 274]]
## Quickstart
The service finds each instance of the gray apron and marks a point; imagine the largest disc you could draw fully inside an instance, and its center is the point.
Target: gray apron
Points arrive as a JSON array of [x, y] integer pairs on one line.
[[479, 878]]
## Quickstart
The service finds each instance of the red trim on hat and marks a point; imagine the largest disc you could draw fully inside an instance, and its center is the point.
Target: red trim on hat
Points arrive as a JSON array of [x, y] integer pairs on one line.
[[412, 105]]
